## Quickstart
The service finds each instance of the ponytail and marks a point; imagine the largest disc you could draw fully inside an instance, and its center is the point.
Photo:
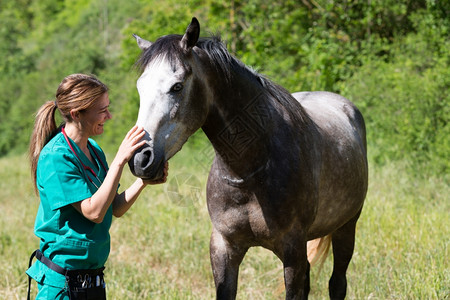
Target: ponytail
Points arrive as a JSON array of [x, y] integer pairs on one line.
[[44, 129]]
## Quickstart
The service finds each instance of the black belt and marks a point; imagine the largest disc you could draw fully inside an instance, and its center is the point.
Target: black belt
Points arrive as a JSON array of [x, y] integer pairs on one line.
[[69, 274]]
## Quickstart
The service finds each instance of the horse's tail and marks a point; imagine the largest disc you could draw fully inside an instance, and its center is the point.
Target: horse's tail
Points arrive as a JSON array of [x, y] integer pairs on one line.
[[318, 250]]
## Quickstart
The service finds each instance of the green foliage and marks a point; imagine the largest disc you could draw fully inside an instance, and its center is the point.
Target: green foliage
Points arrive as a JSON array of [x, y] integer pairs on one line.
[[405, 98], [390, 57]]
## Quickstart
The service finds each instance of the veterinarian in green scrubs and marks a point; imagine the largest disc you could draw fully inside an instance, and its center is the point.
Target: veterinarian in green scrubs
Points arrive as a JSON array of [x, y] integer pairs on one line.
[[77, 190]]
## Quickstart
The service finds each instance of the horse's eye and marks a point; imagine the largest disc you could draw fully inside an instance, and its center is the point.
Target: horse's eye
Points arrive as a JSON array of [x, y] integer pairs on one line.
[[176, 87]]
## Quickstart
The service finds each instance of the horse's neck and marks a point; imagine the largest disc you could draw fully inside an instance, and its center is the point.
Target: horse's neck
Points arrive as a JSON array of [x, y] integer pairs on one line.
[[251, 120], [239, 126]]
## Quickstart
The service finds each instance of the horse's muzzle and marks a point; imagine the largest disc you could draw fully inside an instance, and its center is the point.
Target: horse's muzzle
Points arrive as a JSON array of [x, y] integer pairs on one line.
[[147, 163]]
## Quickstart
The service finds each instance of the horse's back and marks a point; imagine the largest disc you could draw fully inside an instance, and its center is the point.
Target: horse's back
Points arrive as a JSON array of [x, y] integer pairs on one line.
[[343, 165], [335, 114]]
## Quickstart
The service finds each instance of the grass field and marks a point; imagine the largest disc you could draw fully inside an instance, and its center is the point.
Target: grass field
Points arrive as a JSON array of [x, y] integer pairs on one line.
[[160, 247]]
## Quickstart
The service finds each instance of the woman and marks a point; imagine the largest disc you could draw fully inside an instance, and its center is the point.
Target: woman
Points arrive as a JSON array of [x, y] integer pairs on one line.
[[78, 193]]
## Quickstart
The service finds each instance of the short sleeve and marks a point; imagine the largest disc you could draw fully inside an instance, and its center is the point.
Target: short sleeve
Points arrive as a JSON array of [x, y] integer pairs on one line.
[[61, 179]]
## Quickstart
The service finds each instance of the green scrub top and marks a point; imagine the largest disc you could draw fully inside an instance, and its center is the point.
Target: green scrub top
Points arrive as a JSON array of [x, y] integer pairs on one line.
[[67, 237]]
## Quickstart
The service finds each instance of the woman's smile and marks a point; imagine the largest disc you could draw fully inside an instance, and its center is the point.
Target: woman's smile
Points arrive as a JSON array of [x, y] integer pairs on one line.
[[94, 118]]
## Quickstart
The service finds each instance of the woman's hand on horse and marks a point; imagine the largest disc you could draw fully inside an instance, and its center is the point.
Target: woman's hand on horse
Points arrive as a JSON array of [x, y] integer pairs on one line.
[[131, 142], [162, 180]]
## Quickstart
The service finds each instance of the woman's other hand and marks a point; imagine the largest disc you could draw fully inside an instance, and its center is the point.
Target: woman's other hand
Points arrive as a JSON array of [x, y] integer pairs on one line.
[[162, 180]]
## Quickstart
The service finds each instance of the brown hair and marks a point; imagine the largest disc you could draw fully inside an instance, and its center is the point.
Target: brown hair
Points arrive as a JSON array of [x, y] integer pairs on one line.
[[75, 92]]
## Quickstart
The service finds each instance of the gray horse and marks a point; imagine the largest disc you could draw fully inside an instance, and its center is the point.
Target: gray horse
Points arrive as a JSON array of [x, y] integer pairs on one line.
[[288, 168]]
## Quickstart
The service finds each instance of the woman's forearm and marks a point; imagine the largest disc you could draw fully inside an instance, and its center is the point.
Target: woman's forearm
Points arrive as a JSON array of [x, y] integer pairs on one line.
[[95, 208], [126, 199]]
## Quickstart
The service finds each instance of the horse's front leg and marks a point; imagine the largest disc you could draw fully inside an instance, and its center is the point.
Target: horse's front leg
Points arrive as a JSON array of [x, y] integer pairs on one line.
[[296, 269], [225, 261]]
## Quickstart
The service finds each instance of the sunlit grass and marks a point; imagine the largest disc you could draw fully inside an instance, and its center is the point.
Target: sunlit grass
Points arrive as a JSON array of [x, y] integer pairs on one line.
[[160, 248]]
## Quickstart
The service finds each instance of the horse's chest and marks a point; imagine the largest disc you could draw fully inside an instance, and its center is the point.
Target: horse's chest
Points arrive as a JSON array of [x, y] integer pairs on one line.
[[240, 215]]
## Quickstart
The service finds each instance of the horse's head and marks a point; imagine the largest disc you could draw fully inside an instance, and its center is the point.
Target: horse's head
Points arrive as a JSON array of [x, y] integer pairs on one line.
[[173, 104]]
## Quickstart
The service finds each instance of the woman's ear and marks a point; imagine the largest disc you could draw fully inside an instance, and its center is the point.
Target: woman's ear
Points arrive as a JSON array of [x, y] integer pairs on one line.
[[75, 115]]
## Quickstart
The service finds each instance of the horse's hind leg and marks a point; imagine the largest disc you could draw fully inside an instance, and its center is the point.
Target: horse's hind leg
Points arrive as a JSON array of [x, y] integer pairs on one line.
[[296, 268], [343, 241], [306, 285], [225, 261]]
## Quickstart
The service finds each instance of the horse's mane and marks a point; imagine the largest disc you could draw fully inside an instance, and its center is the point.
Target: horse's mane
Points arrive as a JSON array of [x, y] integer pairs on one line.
[[225, 63], [168, 47]]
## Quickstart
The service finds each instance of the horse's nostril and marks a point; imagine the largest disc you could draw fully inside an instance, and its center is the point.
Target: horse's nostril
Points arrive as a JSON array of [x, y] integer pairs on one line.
[[145, 158]]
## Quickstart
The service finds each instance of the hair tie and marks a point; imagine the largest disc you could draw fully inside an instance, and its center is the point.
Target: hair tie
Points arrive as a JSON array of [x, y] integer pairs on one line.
[[56, 105]]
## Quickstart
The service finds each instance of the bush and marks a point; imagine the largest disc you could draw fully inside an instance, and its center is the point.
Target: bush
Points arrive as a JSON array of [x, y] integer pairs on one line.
[[404, 98]]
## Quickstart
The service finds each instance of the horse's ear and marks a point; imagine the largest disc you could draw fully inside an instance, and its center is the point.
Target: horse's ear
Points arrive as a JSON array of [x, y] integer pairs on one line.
[[143, 44], [191, 36]]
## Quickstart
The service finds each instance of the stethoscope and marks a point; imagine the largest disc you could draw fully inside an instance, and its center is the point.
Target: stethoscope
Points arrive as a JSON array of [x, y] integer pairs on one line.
[[87, 169]]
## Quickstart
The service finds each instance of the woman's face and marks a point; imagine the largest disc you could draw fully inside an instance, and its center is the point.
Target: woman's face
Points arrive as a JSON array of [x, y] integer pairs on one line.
[[93, 119]]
